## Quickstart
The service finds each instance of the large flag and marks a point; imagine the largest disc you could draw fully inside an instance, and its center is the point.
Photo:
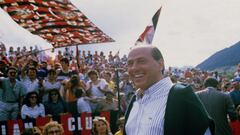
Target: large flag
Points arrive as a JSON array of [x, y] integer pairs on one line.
[[57, 21], [147, 36]]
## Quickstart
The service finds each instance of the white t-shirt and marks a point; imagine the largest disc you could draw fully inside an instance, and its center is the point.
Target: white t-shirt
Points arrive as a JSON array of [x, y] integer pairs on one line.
[[83, 106], [48, 86], [34, 112], [30, 85], [95, 91]]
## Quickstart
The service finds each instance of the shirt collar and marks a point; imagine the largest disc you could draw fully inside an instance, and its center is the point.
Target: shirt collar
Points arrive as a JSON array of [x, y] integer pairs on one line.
[[161, 87]]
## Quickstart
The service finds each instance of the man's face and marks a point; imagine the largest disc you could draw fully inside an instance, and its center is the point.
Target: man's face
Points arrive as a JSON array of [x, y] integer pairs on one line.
[[12, 73], [44, 65], [109, 96], [64, 65], [32, 74], [93, 77], [143, 70], [52, 76], [107, 77], [125, 77]]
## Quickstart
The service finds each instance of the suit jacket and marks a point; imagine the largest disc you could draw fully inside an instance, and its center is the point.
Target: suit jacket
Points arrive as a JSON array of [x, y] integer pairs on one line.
[[184, 114], [218, 105]]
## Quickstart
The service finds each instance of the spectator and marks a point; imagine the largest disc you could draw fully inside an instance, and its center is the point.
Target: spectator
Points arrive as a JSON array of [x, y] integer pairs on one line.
[[59, 56], [11, 51], [43, 71], [55, 105], [12, 92], [108, 77], [50, 83], [53, 128], [237, 73], [226, 87], [110, 58], [82, 104], [3, 68], [219, 106], [126, 85], [238, 111], [64, 73], [18, 51], [30, 81], [120, 124], [96, 87], [32, 107], [67, 53], [235, 93], [69, 90], [109, 103], [101, 126]]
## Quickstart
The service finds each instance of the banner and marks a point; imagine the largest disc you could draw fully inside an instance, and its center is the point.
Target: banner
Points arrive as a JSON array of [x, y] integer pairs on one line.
[[57, 21], [147, 36], [80, 124]]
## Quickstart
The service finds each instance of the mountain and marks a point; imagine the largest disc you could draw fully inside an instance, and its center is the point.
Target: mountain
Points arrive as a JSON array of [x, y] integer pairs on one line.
[[225, 58]]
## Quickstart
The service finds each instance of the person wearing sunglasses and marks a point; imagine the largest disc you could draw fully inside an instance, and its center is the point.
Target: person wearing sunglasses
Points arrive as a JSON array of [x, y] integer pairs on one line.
[[55, 105], [50, 83], [32, 107], [12, 92]]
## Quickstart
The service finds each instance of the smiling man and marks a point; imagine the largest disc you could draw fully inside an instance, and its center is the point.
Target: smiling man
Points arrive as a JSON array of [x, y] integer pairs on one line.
[[160, 107]]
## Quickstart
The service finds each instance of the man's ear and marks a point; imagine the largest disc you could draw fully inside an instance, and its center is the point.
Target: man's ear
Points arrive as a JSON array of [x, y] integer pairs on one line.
[[161, 65]]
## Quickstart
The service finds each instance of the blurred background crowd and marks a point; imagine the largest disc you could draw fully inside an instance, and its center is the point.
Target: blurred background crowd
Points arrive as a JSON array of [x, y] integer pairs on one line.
[[33, 84]]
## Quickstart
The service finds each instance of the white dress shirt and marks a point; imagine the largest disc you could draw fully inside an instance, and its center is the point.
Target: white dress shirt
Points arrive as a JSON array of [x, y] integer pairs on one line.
[[147, 114]]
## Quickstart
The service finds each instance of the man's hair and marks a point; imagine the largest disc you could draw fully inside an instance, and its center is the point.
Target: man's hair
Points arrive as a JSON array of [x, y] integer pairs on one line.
[[92, 72], [211, 82], [52, 71], [156, 54], [65, 60], [12, 68], [32, 68], [27, 98], [108, 73]]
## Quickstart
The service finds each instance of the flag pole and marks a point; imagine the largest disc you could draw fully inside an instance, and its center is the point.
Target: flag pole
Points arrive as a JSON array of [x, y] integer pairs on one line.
[[118, 89], [34, 53], [77, 57]]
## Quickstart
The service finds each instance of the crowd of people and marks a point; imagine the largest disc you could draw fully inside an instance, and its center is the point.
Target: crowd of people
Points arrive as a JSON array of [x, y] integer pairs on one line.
[[33, 85]]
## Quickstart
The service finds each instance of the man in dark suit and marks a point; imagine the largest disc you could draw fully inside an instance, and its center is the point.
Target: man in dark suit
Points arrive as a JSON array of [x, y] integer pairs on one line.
[[160, 107], [218, 105]]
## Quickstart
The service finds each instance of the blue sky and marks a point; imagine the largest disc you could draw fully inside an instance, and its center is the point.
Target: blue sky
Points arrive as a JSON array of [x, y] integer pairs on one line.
[[187, 33]]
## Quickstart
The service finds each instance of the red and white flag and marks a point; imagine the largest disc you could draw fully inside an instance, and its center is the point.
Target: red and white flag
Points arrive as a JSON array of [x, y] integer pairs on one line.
[[147, 36], [57, 21]]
